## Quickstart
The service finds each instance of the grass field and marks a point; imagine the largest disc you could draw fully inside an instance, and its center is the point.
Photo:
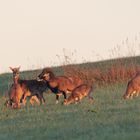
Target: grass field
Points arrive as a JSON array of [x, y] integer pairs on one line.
[[109, 117]]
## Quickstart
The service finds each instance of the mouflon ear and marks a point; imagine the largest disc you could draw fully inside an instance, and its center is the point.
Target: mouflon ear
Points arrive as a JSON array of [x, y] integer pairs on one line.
[[18, 68], [11, 68]]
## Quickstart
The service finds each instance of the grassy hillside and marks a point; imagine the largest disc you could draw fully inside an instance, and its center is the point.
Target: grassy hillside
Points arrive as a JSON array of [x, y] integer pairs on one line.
[[110, 117]]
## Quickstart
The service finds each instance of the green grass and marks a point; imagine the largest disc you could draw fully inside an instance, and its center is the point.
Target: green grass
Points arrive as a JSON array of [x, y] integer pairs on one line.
[[108, 118]]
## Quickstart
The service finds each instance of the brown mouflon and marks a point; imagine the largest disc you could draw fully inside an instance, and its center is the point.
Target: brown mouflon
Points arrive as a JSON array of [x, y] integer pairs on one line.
[[21, 89], [60, 85], [78, 94], [133, 87]]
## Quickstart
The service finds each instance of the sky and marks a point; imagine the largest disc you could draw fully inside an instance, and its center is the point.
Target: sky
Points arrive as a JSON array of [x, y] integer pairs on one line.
[[39, 33]]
